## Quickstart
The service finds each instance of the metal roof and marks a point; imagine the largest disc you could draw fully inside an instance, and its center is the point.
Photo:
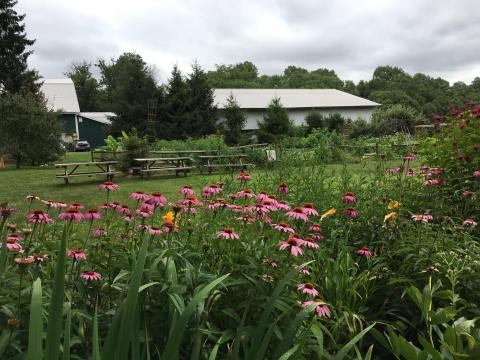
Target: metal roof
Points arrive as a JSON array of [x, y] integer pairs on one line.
[[101, 117], [291, 98], [60, 95]]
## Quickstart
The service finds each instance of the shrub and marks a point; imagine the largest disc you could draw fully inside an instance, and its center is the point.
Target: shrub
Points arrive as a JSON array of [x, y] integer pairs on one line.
[[134, 147], [395, 118], [314, 120], [276, 124]]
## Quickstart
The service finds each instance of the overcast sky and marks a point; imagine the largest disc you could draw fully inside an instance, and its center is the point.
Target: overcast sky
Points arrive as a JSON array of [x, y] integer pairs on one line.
[[352, 37]]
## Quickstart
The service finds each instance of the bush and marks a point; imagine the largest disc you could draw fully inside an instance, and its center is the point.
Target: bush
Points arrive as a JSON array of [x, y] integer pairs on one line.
[[395, 118], [314, 120], [133, 147]]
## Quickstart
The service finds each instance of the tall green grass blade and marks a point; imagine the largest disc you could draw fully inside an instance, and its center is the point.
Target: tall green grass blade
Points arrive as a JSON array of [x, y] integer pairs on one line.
[[3, 255], [55, 313], [348, 346], [172, 348], [286, 355], [35, 331], [95, 339], [66, 333]]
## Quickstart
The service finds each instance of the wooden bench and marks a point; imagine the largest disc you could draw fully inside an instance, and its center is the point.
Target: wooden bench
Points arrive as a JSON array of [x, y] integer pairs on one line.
[[162, 164], [210, 162], [103, 168]]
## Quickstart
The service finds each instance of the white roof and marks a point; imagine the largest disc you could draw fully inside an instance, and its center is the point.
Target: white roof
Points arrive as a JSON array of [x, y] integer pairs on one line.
[[101, 117], [60, 95], [291, 98]]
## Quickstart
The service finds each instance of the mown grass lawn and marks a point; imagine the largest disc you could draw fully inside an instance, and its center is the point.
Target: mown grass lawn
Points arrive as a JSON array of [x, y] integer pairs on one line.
[[16, 184]]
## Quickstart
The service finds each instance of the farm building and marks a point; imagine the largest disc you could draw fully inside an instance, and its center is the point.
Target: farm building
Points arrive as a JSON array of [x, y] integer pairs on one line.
[[298, 102], [90, 126]]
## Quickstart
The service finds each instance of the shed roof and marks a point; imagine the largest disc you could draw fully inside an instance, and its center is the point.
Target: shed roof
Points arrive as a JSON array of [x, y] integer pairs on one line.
[[291, 98], [101, 117], [60, 95]]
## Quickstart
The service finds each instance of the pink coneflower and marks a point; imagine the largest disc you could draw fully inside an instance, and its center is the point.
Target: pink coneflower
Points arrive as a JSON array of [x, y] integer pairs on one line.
[[469, 223], [139, 195], [271, 204], [321, 309], [409, 157], [190, 200], [282, 188], [77, 254], [39, 257], [432, 182], [128, 218], [365, 251], [123, 209], [59, 205], [99, 232], [115, 205], [247, 219], [315, 227], [282, 205], [14, 247], [108, 186], [307, 288], [76, 206], [14, 237], [186, 190], [104, 207], [297, 214], [349, 198], [213, 189], [71, 215], [436, 118], [144, 212], [425, 218], [284, 227], [261, 196], [189, 209], [436, 171], [157, 199], [32, 197], [148, 206], [38, 217], [244, 176], [260, 208], [396, 170], [169, 227], [92, 214], [301, 269], [47, 203], [245, 193], [350, 212], [468, 193], [318, 236], [410, 173], [227, 233], [11, 227], [154, 230], [461, 157], [310, 242], [24, 261], [270, 262], [294, 244], [309, 210], [91, 275], [476, 173], [5, 212]]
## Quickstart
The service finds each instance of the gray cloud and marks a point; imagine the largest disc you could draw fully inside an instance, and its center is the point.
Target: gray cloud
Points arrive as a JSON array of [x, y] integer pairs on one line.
[[439, 37]]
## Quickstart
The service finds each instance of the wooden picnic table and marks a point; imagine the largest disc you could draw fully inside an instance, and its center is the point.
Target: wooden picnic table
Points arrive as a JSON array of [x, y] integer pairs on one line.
[[103, 168], [210, 162], [163, 164]]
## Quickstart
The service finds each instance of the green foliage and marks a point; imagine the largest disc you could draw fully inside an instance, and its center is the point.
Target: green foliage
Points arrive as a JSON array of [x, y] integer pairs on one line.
[[315, 120], [395, 118], [134, 147], [28, 130], [211, 142], [275, 124], [86, 86], [235, 120]]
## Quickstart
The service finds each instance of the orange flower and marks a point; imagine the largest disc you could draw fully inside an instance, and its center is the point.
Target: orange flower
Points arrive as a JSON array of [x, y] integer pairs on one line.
[[328, 213]]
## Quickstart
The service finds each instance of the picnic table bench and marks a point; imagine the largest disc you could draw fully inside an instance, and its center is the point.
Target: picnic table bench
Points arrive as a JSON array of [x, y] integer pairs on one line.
[[163, 164], [210, 162], [183, 152], [102, 168]]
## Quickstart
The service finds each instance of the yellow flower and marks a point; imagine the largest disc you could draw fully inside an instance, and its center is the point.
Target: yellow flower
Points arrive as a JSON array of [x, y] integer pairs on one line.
[[168, 217], [390, 216], [328, 213], [393, 204]]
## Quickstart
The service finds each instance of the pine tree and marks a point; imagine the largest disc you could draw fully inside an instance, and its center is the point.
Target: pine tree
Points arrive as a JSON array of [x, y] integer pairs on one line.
[[201, 116], [86, 85], [14, 74], [176, 108], [275, 124], [235, 120]]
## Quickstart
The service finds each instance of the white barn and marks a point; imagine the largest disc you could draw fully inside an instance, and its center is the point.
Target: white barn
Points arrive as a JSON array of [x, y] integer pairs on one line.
[[298, 102]]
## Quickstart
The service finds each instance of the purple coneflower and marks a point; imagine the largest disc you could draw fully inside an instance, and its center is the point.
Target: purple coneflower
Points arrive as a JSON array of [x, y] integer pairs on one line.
[[310, 242], [24, 261], [309, 210], [469, 223], [227, 233], [294, 244], [244, 176], [349, 198], [301, 269], [425, 218], [262, 196], [14, 247], [308, 288], [476, 173], [108, 186], [91, 275], [38, 217], [284, 227], [350, 212], [77, 254], [157, 199], [186, 190], [297, 214], [31, 197], [321, 309], [282, 205], [245, 193], [144, 212], [99, 232], [282, 188], [315, 227], [92, 214], [365, 251], [71, 215], [139, 195]]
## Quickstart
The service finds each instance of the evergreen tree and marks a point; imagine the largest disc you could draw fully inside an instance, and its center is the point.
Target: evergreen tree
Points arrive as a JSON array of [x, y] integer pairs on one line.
[[14, 74], [235, 120], [275, 124], [201, 118], [86, 85], [173, 126]]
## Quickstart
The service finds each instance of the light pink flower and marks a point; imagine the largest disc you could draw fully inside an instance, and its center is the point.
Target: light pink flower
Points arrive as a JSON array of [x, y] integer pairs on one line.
[[24, 261], [308, 288], [259, 208], [297, 214], [123, 209], [144, 212], [284, 227], [261, 196], [321, 309], [59, 205], [476, 173], [409, 157], [99, 232], [469, 223], [245, 193], [14, 238], [282, 188], [349, 198], [301, 269], [244, 176], [227, 233], [364, 251], [31, 197], [396, 170], [139, 195], [157, 199], [318, 236], [282, 205], [315, 227], [153, 230], [71, 215], [425, 218], [294, 244], [108, 186], [186, 190], [76, 206], [309, 210], [92, 214], [213, 189], [350, 212], [14, 247], [468, 193], [91, 275], [410, 173], [40, 257], [77, 254], [38, 217], [310, 242]]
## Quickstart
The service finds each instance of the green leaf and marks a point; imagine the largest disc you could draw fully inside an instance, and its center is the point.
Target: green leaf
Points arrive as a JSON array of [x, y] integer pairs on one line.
[[347, 347], [95, 340], [66, 333], [286, 355], [35, 331], [172, 348]]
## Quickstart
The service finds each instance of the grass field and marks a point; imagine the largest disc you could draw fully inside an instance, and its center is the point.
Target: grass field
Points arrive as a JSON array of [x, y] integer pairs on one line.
[[16, 184]]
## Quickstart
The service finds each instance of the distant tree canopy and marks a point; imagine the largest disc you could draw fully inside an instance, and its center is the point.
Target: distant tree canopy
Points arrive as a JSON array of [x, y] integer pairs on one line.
[[86, 86], [276, 123]]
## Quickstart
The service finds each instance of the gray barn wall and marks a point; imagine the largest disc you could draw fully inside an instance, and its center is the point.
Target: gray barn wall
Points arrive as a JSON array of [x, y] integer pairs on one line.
[[298, 115]]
